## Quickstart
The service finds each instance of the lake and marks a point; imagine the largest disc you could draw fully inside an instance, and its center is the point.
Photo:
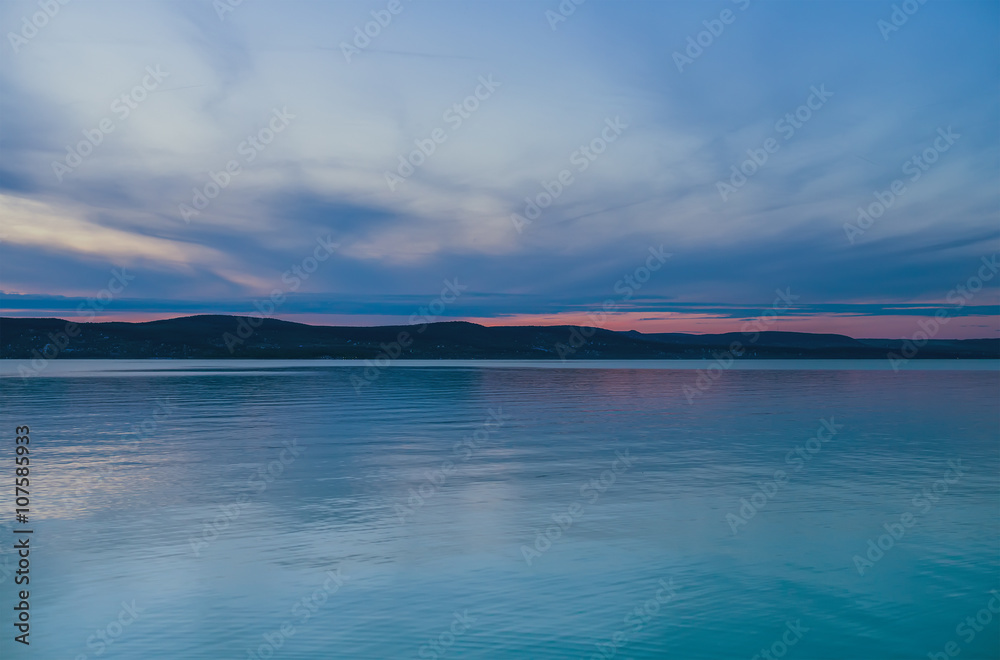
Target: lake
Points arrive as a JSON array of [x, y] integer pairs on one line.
[[257, 509]]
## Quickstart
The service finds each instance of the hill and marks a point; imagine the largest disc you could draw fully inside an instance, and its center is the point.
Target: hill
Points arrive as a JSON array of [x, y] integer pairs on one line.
[[210, 336]]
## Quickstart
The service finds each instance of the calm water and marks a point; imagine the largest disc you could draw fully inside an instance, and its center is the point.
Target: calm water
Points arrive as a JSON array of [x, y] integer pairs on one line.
[[150, 484]]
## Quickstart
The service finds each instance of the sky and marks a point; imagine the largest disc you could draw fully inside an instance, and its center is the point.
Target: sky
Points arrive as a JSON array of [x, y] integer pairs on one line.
[[660, 166]]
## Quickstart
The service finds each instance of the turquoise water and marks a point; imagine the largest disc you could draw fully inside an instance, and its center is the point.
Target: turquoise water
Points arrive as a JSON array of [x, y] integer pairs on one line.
[[409, 520]]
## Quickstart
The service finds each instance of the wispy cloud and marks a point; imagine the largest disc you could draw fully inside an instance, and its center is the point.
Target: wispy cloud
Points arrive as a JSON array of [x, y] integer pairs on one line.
[[655, 186]]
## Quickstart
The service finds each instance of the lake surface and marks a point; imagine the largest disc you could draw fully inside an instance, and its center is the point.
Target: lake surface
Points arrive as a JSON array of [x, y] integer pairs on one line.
[[244, 509]]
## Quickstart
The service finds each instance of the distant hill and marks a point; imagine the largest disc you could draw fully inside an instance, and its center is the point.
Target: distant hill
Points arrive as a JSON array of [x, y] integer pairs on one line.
[[764, 339], [211, 336]]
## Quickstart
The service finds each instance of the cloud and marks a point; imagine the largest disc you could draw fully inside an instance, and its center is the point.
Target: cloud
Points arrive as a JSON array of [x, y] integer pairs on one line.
[[353, 121]]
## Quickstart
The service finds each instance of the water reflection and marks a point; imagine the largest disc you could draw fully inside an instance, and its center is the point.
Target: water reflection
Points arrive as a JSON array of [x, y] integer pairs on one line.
[[249, 483]]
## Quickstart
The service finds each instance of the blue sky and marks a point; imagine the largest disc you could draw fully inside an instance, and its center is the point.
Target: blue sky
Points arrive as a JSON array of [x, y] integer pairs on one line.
[[200, 81]]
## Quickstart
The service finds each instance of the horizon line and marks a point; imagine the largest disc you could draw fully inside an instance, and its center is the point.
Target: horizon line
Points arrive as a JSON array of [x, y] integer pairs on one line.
[[440, 321]]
